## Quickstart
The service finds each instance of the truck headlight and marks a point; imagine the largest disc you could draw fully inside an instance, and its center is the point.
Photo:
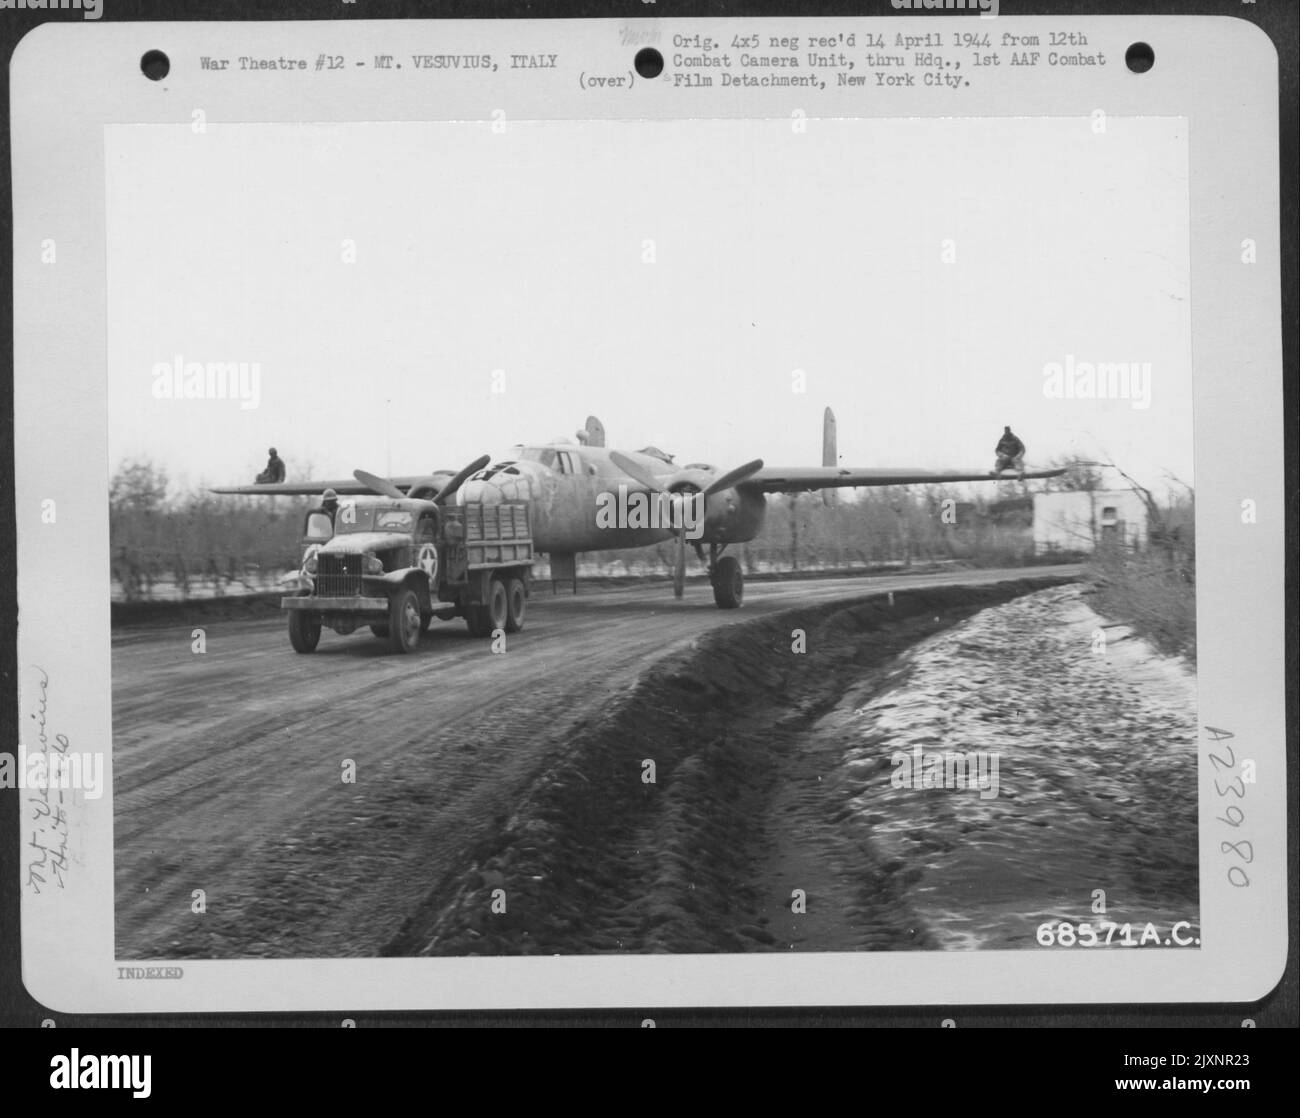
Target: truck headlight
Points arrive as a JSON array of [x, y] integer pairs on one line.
[[309, 561], [373, 565]]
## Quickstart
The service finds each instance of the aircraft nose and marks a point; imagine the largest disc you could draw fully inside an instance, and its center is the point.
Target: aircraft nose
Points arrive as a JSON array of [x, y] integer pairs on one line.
[[510, 484], [476, 492]]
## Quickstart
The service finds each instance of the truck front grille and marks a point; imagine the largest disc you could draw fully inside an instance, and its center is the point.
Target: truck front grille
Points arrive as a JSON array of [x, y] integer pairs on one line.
[[338, 576]]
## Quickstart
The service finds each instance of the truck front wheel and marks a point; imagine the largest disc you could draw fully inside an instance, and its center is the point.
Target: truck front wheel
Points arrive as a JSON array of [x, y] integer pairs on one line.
[[404, 621], [304, 630]]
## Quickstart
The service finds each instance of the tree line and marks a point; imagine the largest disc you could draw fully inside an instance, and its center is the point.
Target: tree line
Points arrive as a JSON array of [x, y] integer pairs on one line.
[[197, 539]]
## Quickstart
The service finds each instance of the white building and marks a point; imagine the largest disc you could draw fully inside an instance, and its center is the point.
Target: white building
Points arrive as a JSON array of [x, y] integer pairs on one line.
[[1079, 521]]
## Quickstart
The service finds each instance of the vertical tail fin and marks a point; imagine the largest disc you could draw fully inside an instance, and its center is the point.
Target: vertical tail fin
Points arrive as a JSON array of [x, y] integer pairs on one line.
[[595, 432], [829, 456]]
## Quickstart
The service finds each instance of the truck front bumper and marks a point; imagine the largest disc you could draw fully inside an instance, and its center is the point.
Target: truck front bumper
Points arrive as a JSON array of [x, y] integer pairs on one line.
[[337, 605]]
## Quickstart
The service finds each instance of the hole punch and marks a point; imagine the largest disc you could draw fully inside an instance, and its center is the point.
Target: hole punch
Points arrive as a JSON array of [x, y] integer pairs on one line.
[[649, 62], [1140, 58], [155, 65]]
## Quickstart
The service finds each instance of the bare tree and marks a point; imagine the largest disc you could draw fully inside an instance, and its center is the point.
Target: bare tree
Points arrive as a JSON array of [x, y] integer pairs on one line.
[[1081, 475], [137, 487]]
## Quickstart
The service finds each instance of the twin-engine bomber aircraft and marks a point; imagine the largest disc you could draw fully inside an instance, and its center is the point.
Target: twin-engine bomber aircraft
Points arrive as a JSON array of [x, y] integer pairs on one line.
[[573, 491]]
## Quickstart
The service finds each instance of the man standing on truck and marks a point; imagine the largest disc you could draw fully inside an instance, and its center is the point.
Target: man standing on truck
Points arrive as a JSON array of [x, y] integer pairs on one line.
[[1011, 454], [330, 503]]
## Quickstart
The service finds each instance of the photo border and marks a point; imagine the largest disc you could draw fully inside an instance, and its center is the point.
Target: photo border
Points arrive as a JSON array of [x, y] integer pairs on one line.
[[1249, 324]]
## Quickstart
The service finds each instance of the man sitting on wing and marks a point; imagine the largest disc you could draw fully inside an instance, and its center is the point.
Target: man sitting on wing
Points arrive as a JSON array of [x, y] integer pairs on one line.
[[274, 471], [1011, 454]]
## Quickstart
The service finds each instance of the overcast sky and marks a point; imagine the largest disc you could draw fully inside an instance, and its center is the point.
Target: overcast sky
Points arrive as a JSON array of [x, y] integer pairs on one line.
[[526, 252]]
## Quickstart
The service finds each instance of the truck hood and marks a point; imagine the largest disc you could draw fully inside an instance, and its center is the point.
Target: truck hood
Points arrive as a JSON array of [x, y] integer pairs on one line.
[[357, 543]]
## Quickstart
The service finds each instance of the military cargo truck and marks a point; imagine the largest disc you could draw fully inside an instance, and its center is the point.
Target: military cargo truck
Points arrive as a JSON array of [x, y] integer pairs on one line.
[[394, 564]]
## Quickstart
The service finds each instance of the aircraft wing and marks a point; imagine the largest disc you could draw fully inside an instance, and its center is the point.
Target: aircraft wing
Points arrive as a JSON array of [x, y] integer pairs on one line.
[[802, 479], [343, 487]]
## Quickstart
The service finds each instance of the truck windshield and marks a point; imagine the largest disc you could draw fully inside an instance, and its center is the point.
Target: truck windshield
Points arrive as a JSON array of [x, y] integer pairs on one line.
[[372, 520]]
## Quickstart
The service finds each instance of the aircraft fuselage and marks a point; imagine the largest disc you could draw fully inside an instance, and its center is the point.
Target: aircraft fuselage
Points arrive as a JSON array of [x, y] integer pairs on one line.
[[580, 501]]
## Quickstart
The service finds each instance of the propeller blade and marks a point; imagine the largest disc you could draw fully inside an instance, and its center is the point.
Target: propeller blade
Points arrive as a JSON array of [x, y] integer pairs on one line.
[[733, 477], [638, 474], [460, 479], [380, 485], [679, 567]]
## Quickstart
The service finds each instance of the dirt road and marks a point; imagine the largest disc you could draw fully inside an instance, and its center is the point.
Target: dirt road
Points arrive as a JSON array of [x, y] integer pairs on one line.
[[229, 765]]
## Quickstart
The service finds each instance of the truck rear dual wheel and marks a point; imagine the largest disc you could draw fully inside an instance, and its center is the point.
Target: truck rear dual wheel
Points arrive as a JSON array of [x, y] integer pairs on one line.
[[404, 621], [304, 630], [498, 606], [476, 621], [485, 618], [515, 599]]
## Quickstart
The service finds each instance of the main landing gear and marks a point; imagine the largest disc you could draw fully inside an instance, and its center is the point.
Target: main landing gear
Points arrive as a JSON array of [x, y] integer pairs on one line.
[[725, 575]]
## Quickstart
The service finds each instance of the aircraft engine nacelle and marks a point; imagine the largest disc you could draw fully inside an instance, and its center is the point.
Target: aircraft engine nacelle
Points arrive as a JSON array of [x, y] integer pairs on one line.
[[732, 515], [429, 487]]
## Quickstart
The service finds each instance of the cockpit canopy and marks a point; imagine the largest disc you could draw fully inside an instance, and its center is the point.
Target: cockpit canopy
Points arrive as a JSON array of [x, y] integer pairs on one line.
[[563, 460], [544, 455], [497, 468]]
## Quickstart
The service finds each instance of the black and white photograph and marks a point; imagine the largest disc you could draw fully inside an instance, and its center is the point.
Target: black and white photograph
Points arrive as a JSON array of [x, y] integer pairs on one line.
[[651, 496], [477, 672]]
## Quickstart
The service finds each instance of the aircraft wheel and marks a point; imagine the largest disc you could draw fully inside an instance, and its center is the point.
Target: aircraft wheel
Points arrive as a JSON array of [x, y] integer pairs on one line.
[[404, 621], [498, 606], [728, 583], [304, 630], [515, 599]]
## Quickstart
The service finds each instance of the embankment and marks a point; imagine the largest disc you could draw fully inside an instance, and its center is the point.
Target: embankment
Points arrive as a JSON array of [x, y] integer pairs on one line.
[[655, 832]]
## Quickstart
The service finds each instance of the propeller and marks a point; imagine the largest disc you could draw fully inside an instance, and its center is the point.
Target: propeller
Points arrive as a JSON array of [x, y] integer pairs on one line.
[[733, 477], [380, 485], [657, 485], [386, 488], [460, 479], [635, 472]]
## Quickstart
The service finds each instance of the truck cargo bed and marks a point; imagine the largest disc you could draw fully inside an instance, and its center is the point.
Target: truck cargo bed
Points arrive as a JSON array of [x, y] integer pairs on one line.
[[495, 535]]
